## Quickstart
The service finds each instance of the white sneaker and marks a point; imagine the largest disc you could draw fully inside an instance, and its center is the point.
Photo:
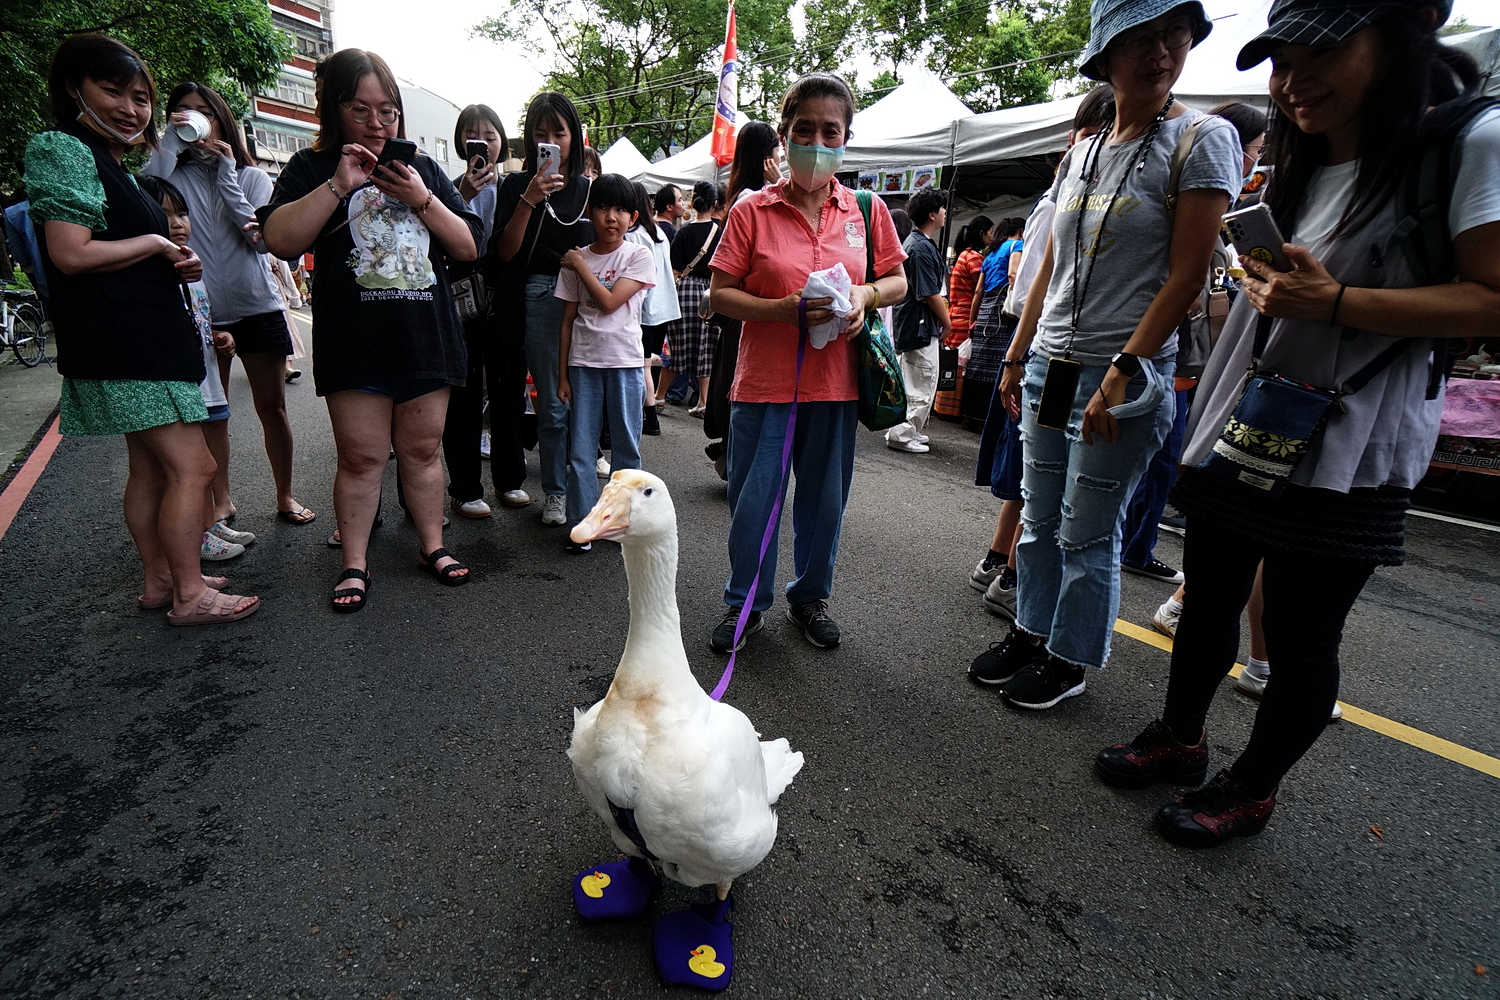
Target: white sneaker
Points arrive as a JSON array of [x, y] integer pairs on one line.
[[484, 444], [924, 439], [227, 533], [915, 447], [981, 578], [1254, 686], [472, 508], [601, 467], [515, 498], [555, 509], [1165, 620], [215, 549]]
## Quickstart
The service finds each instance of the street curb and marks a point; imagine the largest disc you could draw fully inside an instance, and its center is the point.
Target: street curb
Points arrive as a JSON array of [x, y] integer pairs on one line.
[[18, 485], [12, 470]]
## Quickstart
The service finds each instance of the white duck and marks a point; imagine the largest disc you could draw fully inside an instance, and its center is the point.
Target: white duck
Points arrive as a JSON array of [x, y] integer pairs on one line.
[[690, 773]]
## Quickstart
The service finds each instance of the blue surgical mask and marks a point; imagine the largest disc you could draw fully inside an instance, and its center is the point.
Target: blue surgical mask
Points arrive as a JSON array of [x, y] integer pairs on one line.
[[813, 166]]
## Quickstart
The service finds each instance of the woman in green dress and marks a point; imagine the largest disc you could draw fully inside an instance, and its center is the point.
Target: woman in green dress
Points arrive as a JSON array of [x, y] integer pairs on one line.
[[127, 348]]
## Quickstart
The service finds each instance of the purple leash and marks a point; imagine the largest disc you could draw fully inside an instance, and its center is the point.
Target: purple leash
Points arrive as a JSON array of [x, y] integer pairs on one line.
[[765, 542]]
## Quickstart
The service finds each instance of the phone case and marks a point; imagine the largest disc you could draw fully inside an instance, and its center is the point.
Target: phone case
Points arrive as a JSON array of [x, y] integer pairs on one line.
[[1254, 234], [1059, 392]]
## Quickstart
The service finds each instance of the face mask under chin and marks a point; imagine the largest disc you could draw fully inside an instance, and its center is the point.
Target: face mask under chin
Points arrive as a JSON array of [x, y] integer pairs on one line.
[[811, 167], [102, 126]]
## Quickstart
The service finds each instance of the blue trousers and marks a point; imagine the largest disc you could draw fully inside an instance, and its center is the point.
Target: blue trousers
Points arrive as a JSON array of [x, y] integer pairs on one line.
[[822, 461], [544, 313], [1068, 559], [1150, 499], [601, 394]]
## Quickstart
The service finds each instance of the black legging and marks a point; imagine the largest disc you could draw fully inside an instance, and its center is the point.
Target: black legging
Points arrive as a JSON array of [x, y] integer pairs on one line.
[[496, 363], [1306, 603]]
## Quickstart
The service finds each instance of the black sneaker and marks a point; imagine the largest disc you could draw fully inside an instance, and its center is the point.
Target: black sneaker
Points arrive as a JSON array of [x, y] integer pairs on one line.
[[650, 424], [1219, 810], [1177, 524], [1155, 755], [722, 640], [577, 548], [812, 618], [1007, 658], [1044, 684], [1156, 570]]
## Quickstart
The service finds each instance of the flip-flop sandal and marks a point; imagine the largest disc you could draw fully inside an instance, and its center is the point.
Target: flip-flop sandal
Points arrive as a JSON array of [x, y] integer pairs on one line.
[[336, 541], [216, 609], [147, 604], [363, 595], [296, 516], [447, 575]]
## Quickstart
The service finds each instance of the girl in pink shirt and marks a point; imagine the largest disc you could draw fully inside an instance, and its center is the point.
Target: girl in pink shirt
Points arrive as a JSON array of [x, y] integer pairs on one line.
[[773, 240]]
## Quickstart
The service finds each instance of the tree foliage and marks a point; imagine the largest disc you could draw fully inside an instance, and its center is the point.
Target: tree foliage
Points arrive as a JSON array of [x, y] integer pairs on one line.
[[224, 43], [649, 68]]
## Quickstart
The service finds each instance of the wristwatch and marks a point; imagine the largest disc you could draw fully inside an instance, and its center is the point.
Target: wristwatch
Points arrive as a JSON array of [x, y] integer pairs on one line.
[[1128, 364]]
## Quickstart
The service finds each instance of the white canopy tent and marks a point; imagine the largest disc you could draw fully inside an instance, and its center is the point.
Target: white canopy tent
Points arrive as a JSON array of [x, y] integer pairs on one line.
[[912, 126], [623, 158], [696, 163]]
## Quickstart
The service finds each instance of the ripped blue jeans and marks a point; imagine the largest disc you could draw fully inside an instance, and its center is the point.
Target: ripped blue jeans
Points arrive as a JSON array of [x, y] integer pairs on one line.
[[1068, 559]]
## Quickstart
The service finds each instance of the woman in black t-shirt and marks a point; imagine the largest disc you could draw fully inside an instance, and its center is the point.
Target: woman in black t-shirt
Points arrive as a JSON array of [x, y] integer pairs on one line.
[[691, 339], [388, 341], [538, 218]]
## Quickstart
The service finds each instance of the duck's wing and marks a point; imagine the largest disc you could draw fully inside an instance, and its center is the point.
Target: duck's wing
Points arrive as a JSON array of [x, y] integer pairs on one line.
[[782, 765], [586, 751]]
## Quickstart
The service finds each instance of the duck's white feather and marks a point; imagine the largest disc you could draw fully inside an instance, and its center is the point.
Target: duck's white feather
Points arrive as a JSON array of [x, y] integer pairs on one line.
[[700, 783]]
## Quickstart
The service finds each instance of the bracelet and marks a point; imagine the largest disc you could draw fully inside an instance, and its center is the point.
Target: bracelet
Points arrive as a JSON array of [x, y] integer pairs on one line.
[[426, 204], [1334, 319], [529, 204], [334, 190], [876, 289]]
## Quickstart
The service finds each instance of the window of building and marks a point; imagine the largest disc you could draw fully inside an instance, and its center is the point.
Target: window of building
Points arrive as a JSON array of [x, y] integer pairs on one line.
[[281, 142], [308, 41], [294, 90], [440, 149]]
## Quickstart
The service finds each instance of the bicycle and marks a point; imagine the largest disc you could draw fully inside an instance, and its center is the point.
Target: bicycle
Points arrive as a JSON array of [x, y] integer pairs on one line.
[[22, 326]]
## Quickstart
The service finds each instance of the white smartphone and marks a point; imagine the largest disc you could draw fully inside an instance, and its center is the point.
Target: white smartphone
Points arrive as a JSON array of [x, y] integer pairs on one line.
[[1254, 233], [548, 159]]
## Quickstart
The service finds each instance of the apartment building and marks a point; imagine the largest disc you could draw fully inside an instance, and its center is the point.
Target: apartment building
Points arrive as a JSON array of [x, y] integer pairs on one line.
[[282, 119]]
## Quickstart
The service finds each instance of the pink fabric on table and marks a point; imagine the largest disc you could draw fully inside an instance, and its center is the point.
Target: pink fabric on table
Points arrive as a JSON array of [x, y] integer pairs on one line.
[[769, 244], [1471, 408]]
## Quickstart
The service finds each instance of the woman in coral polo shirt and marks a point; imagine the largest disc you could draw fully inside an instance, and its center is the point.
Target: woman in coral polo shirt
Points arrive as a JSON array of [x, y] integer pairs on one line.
[[774, 239]]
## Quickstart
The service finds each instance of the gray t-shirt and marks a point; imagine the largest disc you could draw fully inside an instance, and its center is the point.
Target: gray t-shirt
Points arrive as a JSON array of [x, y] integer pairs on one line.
[[1135, 247]]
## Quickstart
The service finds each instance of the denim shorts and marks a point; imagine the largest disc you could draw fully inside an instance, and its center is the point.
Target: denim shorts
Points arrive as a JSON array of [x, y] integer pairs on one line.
[[216, 413], [404, 390]]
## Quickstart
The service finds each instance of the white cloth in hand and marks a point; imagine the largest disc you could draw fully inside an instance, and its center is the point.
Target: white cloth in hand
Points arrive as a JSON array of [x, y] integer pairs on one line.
[[831, 283]]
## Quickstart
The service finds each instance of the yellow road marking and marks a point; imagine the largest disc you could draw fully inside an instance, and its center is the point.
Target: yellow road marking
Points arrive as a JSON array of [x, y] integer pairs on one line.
[[1455, 752]]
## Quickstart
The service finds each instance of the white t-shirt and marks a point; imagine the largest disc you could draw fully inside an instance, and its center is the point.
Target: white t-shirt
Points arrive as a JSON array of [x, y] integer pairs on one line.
[[211, 388], [661, 304], [610, 340]]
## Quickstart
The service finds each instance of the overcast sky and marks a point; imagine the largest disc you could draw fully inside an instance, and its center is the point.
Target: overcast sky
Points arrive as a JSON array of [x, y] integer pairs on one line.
[[428, 43]]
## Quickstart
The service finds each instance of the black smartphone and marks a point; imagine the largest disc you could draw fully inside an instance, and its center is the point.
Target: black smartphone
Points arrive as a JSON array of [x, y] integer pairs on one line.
[[1059, 392], [477, 148], [397, 149]]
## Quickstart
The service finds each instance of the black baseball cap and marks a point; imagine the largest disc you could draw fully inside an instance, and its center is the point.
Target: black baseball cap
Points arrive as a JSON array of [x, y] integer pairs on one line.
[[1323, 22]]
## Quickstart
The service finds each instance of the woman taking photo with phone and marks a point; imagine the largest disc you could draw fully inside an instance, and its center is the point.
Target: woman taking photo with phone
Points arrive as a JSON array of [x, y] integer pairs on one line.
[[775, 238], [1120, 271], [389, 344], [1343, 81], [130, 356], [496, 363], [539, 217], [223, 189]]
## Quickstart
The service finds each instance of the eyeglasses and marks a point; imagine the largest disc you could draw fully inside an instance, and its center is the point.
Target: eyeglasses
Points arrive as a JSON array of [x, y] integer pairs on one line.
[[361, 114], [1140, 43]]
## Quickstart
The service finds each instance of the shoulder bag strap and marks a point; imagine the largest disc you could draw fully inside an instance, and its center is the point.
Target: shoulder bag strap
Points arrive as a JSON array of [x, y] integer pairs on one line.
[[863, 198], [1179, 161], [708, 241]]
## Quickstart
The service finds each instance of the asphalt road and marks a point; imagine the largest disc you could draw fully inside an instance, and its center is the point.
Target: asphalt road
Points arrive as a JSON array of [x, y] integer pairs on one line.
[[307, 805]]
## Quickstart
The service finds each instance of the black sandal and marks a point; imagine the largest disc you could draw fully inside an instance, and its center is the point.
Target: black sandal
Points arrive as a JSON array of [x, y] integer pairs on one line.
[[363, 595], [448, 575]]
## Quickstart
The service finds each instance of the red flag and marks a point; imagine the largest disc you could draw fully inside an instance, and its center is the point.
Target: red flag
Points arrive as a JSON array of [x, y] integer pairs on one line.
[[726, 105]]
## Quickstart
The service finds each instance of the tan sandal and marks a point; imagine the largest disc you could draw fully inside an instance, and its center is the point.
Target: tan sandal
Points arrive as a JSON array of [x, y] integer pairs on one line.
[[157, 603], [216, 608]]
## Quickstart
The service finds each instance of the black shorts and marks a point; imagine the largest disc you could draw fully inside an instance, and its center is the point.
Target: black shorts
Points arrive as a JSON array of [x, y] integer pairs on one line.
[[263, 334], [652, 337]]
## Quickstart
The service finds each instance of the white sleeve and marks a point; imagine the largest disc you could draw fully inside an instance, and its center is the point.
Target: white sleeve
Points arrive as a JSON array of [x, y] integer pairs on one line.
[[1476, 192]]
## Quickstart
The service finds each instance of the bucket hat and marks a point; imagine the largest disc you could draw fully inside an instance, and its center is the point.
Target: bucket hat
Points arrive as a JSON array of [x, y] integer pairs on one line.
[[1323, 22], [1108, 18]]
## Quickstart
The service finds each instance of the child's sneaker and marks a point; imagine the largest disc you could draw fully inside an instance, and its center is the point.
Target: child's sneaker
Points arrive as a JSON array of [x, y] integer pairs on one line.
[[215, 549]]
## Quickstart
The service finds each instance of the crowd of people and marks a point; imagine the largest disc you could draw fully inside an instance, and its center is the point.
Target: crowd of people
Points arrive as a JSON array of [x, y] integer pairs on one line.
[[1104, 364]]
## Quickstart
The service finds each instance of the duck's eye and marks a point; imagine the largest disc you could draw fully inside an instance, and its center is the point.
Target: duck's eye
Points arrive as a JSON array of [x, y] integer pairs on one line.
[[648, 491]]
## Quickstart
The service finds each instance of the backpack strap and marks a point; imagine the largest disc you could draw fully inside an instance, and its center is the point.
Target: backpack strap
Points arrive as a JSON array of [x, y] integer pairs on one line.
[[1179, 160]]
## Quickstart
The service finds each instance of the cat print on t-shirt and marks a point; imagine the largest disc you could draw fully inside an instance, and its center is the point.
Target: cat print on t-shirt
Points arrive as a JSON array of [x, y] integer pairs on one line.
[[390, 245]]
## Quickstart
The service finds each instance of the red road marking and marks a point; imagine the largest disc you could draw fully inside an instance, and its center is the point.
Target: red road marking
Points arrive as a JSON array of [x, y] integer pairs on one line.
[[19, 488]]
